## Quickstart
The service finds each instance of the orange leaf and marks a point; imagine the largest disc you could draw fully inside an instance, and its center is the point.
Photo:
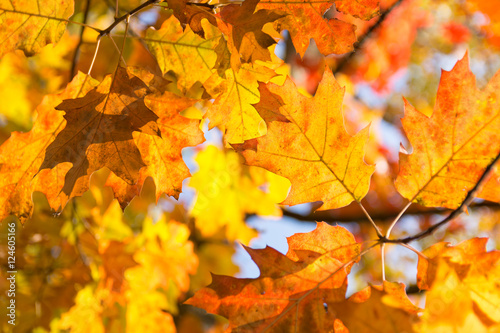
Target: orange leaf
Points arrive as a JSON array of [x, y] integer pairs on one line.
[[453, 147], [308, 144], [245, 29], [22, 154], [290, 295], [29, 25], [99, 130], [463, 291], [305, 20]]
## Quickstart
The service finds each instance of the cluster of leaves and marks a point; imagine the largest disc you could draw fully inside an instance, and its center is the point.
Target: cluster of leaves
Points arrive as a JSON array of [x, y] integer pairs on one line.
[[106, 153]]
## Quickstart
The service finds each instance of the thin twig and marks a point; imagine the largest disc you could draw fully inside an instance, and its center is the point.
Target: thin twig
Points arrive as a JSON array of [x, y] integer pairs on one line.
[[80, 41], [126, 16], [463, 206]]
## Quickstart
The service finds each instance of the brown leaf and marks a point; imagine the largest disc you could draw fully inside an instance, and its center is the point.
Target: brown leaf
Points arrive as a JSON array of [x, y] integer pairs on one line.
[[99, 130]]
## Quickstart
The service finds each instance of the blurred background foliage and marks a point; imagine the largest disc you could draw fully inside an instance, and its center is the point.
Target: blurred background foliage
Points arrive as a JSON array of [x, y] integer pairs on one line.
[[94, 268]]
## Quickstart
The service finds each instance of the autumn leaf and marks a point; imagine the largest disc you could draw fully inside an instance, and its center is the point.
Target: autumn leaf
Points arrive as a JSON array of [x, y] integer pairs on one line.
[[22, 154], [308, 144], [29, 26], [293, 292], [244, 28], [305, 20], [191, 57], [453, 146], [191, 14], [98, 132], [463, 294], [384, 308], [234, 95]]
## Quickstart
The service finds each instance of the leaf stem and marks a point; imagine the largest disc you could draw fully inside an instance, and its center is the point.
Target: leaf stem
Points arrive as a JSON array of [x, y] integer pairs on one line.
[[377, 229], [388, 233]]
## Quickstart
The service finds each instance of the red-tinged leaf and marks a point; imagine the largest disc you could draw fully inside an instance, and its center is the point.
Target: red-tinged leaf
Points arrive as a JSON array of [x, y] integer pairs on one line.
[[304, 20], [22, 154], [244, 27], [98, 132], [311, 148], [452, 147], [290, 295], [29, 25]]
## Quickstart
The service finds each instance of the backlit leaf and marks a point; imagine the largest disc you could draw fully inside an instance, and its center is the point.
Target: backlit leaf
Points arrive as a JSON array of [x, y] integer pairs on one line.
[[308, 144], [30, 25], [453, 146]]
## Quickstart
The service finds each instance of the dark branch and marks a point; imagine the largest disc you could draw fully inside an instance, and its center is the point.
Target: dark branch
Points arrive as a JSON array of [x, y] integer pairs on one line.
[[80, 41], [333, 217], [468, 199], [362, 39]]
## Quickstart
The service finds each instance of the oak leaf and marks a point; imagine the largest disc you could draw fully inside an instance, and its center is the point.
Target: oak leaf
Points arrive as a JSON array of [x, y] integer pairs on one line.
[[29, 25], [234, 95], [308, 144], [452, 147], [244, 27], [189, 56], [162, 155], [293, 291], [189, 13], [22, 154], [305, 20], [463, 294], [98, 132]]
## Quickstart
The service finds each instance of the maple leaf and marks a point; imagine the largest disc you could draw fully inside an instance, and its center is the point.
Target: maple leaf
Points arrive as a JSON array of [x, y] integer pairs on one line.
[[234, 95], [292, 290], [463, 291], [98, 132], [308, 144], [189, 56], [22, 154], [305, 20], [452, 147], [244, 27], [30, 26]]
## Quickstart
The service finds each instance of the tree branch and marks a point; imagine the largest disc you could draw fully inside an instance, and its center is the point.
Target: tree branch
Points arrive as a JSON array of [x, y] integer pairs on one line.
[[126, 15], [468, 199], [80, 41], [362, 39]]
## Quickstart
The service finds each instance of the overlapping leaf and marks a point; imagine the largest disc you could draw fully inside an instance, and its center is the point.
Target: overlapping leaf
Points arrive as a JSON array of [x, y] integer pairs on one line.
[[304, 20], [29, 25], [308, 144], [22, 154], [293, 292], [244, 28], [162, 155], [188, 13], [98, 132], [232, 109], [453, 146], [463, 291], [189, 56]]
